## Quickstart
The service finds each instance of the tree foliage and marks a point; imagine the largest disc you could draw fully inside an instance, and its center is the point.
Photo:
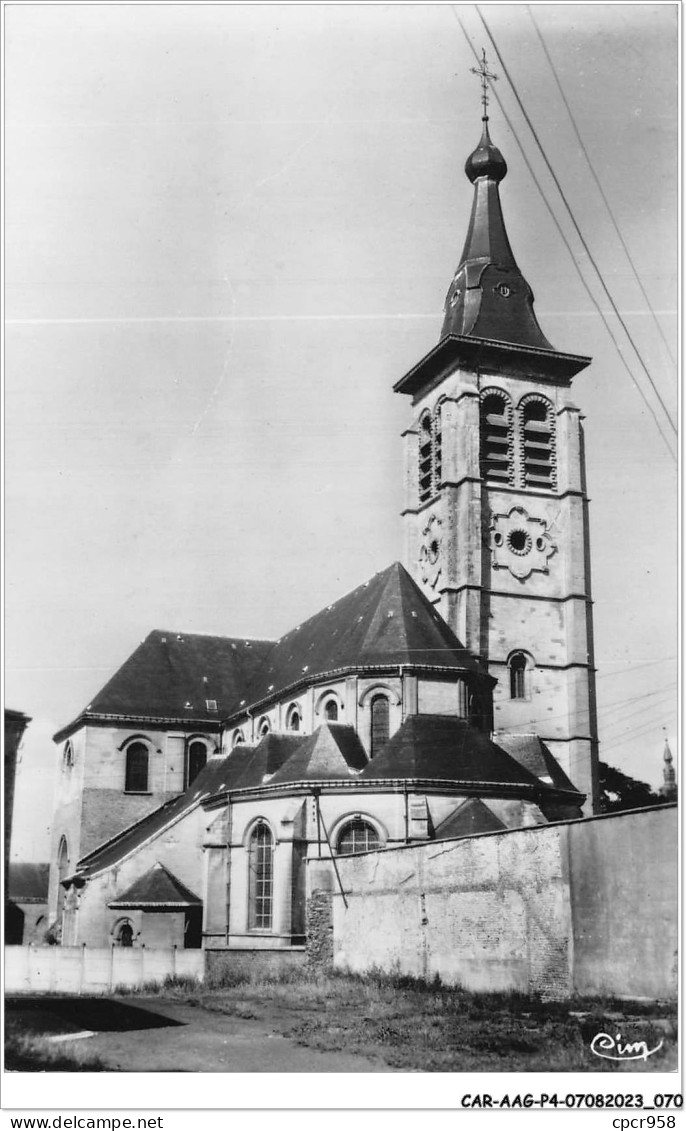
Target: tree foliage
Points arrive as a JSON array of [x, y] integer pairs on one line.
[[619, 792]]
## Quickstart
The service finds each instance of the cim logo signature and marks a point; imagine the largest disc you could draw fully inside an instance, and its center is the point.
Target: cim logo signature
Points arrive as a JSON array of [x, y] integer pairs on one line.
[[611, 1048]]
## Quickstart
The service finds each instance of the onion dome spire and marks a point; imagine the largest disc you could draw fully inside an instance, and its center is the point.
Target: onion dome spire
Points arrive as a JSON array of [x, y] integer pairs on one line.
[[489, 298]]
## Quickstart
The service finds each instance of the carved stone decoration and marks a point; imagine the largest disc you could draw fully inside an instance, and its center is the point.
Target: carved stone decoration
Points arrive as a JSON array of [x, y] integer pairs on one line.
[[520, 543], [430, 557]]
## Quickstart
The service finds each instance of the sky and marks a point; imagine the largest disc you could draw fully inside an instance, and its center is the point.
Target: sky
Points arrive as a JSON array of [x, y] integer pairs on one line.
[[229, 229]]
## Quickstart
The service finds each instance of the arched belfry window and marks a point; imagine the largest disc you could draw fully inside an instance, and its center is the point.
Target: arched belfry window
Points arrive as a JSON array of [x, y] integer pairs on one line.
[[380, 724], [425, 458], [438, 447], [196, 761], [496, 453], [357, 836], [519, 675], [136, 778], [537, 438], [260, 878]]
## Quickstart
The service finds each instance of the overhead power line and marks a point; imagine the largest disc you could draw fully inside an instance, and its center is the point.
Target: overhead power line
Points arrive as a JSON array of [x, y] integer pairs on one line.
[[574, 221], [568, 246], [599, 185]]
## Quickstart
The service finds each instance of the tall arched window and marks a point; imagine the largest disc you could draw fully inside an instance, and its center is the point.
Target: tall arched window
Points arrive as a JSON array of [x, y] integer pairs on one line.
[[331, 711], [136, 768], [537, 443], [518, 676], [357, 836], [62, 873], [263, 727], [425, 458], [380, 724], [294, 718], [237, 738], [197, 760], [260, 878], [496, 447]]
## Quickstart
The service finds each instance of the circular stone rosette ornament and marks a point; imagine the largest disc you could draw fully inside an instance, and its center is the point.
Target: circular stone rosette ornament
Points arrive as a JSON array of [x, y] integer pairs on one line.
[[430, 552], [521, 543]]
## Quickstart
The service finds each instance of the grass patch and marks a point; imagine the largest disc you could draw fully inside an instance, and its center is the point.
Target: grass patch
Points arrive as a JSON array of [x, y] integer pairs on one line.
[[415, 1025], [29, 1053]]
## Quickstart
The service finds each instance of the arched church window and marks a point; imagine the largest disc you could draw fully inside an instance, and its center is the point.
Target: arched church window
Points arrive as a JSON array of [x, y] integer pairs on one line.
[[425, 458], [518, 665], [294, 719], [357, 836], [260, 878], [496, 454], [62, 872], [136, 779], [68, 756], [537, 443], [237, 738], [331, 711], [380, 724], [124, 936], [197, 760], [263, 727]]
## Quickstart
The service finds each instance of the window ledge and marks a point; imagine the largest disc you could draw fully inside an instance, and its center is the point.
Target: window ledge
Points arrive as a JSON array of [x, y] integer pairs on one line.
[[138, 792]]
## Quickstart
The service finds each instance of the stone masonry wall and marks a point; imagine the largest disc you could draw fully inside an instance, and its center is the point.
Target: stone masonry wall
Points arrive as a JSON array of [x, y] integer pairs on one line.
[[586, 906], [489, 912]]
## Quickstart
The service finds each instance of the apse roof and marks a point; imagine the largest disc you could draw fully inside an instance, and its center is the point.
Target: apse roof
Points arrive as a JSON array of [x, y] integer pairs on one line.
[[469, 819], [158, 888], [383, 623], [445, 748], [333, 752], [534, 755]]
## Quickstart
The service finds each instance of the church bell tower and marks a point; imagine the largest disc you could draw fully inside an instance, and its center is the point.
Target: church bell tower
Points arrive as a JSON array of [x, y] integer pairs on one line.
[[496, 510]]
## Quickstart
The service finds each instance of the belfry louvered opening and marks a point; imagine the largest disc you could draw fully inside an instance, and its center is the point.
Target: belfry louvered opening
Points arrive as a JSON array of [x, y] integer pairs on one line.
[[537, 444], [496, 456], [425, 458], [438, 449]]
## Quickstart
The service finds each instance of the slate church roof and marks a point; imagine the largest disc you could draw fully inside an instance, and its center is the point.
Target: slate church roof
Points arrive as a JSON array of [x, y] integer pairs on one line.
[[435, 750], [443, 748], [172, 676], [157, 889]]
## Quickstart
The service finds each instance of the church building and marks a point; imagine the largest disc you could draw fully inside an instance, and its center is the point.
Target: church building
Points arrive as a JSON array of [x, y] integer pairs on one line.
[[447, 696]]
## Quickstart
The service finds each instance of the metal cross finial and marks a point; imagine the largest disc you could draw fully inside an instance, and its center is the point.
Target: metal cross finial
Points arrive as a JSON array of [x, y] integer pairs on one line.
[[484, 74]]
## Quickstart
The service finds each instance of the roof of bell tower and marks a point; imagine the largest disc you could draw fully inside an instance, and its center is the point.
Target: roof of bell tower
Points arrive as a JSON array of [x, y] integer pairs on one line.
[[489, 321], [489, 297]]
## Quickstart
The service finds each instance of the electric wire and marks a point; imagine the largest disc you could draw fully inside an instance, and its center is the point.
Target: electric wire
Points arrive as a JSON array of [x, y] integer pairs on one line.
[[599, 186], [568, 246], [635, 667], [573, 219]]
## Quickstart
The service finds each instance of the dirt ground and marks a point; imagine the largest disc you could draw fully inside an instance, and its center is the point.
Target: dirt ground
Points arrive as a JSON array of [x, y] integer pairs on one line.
[[186, 1038]]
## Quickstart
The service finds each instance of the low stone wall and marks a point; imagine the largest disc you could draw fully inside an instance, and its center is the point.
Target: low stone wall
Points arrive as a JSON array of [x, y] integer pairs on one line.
[[95, 970], [231, 961], [586, 906]]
